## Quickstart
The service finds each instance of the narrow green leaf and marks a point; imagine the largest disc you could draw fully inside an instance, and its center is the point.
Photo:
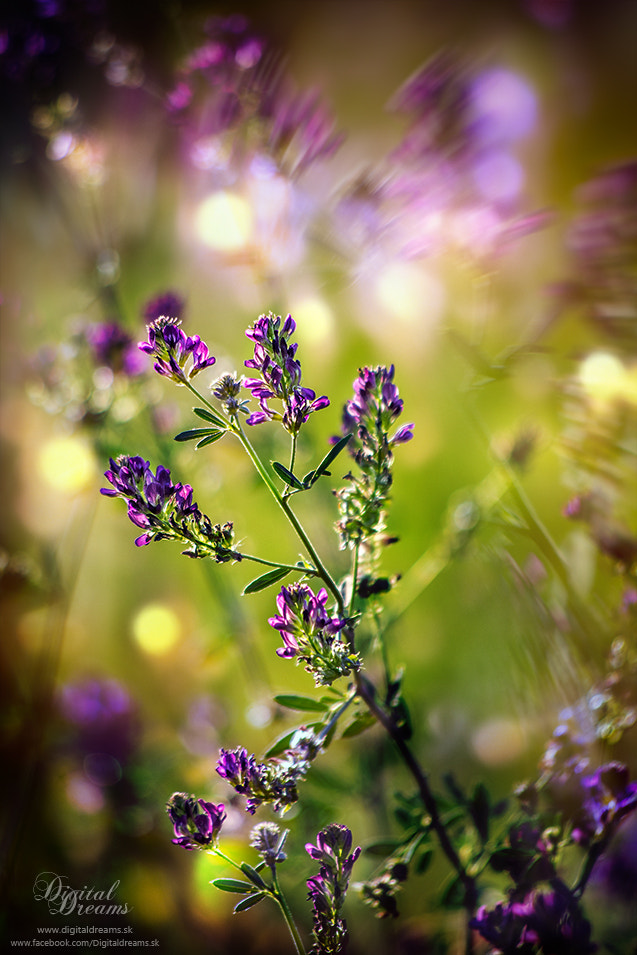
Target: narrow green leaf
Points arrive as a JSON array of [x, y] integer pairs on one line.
[[305, 703], [382, 849], [359, 725], [308, 480], [266, 580], [232, 885], [333, 453], [424, 860], [209, 416], [283, 742], [248, 902], [196, 433], [286, 475], [210, 439], [453, 894], [253, 875]]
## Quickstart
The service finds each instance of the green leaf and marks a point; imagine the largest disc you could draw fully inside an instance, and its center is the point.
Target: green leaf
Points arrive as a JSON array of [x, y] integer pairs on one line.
[[253, 875], [232, 885], [209, 416], [424, 860], [286, 475], [479, 809], [358, 725], [212, 437], [197, 433], [330, 456], [266, 580], [454, 894], [283, 742], [382, 849], [248, 902], [305, 703]]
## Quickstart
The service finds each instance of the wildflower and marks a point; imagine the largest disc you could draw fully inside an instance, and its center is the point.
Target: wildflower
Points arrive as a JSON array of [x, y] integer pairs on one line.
[[311, 635], [226, 389], [369, 416], [274, 781], [327, 890], [114, 348], [197, 822], [267, 839], [167, 303], [550, 920], [166, 511], [280, 374], [172, 349]]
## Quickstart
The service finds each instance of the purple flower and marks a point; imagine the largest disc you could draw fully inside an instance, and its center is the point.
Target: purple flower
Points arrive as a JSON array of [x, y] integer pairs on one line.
[[609, 797], [311, 635], [166, 511], [327, 890], [551, 920], [197, 823], [280, 375], [172, 349], [227, 390], [167, 303], [369, 416], [114, 348], [274, 781]]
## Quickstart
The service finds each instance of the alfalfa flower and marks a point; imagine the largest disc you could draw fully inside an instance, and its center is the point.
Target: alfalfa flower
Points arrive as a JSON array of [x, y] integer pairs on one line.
[[273, 781], [279, 375], [166, 511], [370, 416], [327, 890], [197, 823], [311, 635], [173, 350]]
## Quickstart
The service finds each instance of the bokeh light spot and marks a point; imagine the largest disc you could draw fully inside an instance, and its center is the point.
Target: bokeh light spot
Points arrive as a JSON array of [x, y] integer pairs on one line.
[[156, 629], [409, 293], [602, 375], [224, 222], [498, 742], [314, 318], [66, 464]]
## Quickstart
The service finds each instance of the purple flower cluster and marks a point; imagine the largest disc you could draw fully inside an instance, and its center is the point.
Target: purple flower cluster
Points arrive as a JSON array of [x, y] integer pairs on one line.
[[166, 303], [244, 87], [114, 348], [552, 920], [197, 822], [593, 802], [369, 416], [327, 890], [172, 349], [166, 511], [274, 781], [311, 635], [280, 374], [268, 840]]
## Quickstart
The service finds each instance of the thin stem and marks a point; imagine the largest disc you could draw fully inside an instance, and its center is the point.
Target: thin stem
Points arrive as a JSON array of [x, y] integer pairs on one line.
[[322, 571], [355, 557], [287, 915]]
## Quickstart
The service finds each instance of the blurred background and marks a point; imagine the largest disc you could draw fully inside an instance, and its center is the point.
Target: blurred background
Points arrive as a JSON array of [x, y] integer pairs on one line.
[[449, 187]]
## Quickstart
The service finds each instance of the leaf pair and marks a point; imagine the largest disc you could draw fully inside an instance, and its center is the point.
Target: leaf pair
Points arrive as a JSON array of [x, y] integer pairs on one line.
[[312, 476], [206, 435]]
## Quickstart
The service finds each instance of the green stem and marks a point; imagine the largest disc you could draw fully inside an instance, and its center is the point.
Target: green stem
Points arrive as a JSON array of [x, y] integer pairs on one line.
[[287, 915], [321, 570]]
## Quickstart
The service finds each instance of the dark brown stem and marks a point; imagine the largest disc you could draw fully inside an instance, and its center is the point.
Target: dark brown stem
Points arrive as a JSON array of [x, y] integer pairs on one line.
[[367, 693]]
